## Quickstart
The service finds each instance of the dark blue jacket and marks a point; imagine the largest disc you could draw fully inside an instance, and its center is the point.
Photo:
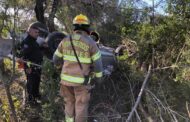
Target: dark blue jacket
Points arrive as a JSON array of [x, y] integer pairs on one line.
[[30, 50]]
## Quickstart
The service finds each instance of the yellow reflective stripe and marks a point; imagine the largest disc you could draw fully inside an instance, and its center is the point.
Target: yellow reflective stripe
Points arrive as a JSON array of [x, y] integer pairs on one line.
[[96, 56], [99, 74], [73, 58], [72, 78], [28, 63], [69, 119], [57, 53]]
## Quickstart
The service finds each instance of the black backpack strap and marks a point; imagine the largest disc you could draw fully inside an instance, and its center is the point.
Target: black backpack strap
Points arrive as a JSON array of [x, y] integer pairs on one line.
[[75, 53], [86, 77]]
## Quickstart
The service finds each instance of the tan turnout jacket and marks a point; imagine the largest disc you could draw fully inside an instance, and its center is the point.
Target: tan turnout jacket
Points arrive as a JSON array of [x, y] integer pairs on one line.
[[88, 54]]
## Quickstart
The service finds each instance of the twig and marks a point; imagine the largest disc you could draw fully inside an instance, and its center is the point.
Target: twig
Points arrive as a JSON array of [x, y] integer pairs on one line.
[[138, 116], [166, 108], [140, 95], [167, 67], [114, 87], [133, 99], [159, 103], [146, 115], [187, 109], [180, 53], [170, 113]]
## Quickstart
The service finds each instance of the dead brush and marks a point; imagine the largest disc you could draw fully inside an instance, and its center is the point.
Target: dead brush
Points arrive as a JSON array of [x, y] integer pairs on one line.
[[112, 99]]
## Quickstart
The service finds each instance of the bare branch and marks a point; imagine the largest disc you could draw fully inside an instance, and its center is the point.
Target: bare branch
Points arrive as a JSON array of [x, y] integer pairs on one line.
[[148, 117], [187, 107], [140, 95], [172, 112]]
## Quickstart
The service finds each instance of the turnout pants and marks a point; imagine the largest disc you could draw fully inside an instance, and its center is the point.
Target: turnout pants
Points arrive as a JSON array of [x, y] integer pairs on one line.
[[76, 100]]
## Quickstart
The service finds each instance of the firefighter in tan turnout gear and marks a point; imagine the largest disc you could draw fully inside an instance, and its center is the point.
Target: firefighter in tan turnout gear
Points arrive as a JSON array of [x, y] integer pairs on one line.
[[79, 57]]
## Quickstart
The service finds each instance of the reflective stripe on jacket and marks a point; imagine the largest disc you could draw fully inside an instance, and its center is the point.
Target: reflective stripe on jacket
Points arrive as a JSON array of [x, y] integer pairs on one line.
[[88, 54], [69, 119]]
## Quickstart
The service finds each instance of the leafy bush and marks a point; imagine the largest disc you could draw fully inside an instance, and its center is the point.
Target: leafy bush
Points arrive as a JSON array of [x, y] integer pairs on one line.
[[52, 104]]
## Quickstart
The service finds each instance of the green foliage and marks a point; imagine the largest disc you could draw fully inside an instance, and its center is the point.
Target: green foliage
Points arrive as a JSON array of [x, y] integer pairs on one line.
[[5, 109], [115, 96], [163, 91], [52, 106], [163, 41], [167, 42]]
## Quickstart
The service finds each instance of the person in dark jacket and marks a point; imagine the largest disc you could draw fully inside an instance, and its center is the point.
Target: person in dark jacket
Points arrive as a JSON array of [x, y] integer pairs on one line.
[[31, 52]]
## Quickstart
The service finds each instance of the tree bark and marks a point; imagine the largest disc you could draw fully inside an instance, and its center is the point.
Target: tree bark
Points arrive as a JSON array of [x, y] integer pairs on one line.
[[139, 96], [39, 10], [52, 15]]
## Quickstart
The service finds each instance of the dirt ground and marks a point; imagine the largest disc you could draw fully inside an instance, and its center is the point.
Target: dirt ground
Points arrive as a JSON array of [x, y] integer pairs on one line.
[[18, 92]]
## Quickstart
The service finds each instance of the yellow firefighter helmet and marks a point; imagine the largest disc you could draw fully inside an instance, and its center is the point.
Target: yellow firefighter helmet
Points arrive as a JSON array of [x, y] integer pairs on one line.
[[81, 20]]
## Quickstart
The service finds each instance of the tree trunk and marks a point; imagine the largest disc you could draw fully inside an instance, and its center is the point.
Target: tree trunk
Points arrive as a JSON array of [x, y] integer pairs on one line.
[[39, 10], [52, 15]]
